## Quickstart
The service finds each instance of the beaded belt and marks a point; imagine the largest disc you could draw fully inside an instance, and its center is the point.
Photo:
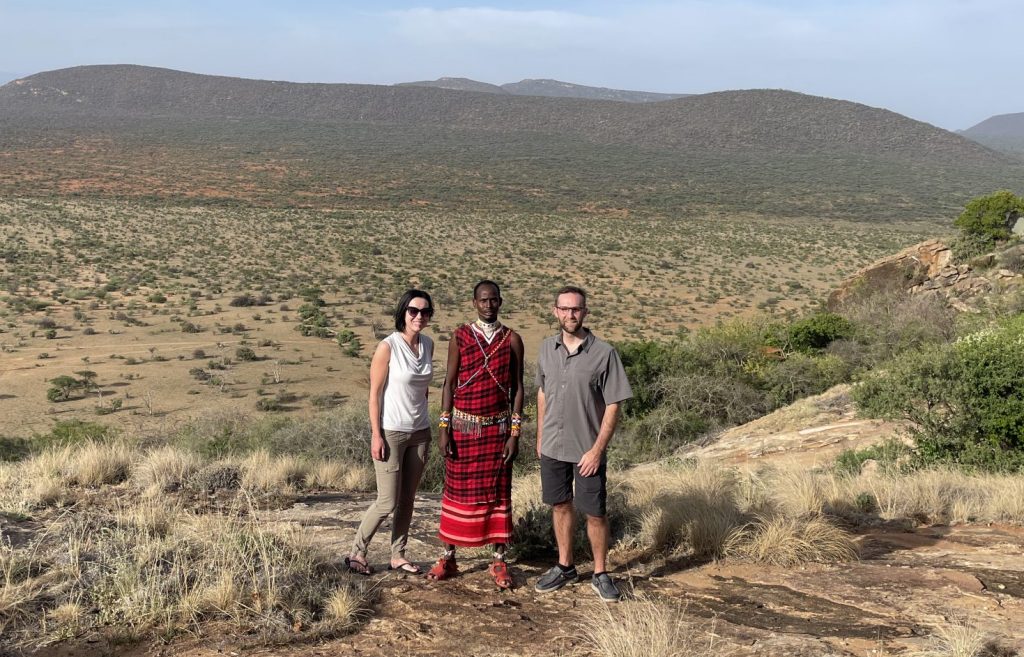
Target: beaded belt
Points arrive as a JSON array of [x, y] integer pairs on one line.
[[466, 423]]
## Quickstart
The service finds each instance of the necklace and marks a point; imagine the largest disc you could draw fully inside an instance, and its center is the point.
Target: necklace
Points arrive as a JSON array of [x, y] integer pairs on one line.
[[487, 330]]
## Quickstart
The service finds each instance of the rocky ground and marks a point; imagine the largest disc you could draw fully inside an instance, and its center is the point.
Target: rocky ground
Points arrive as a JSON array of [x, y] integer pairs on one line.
[[908, 582]]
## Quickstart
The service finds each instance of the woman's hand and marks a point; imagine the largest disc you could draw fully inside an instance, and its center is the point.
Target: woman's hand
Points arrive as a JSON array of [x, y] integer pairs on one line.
[[377, 448]]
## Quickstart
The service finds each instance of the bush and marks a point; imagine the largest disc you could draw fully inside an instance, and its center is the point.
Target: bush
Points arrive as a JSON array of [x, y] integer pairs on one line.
[[245, 354], [818, 331], [965, 400], [990, 218]]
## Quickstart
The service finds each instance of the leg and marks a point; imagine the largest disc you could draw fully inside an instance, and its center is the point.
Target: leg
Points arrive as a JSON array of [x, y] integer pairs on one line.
[[413, 462], [564, 519], [599, 533], [387, 473], [556, 490]]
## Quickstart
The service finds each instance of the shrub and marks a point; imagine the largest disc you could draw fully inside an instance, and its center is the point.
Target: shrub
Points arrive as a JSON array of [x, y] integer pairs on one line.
[[990, 218], [965, 400], [245, 354], [818, 331]]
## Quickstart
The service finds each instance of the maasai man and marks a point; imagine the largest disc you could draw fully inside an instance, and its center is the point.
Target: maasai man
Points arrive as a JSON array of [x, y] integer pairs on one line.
[[480, 423]]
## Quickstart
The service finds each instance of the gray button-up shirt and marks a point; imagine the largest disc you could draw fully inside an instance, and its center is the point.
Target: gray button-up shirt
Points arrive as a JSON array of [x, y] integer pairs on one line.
[[577, 388]]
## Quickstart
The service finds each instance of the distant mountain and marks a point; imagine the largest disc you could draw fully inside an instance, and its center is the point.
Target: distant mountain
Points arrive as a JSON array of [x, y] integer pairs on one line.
[[1004, 132], [765, 120], [456, 84], [157, 133], [7, 76], [558, 89], [549, 88]]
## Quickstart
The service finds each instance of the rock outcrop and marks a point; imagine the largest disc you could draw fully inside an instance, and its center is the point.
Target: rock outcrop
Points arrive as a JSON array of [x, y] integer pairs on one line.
[[928, 269]]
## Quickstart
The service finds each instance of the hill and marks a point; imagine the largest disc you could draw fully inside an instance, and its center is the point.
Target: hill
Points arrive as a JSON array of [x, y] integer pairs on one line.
[[559, 89], [766, 151], [1004, 132], [550, 88], [457, 84]]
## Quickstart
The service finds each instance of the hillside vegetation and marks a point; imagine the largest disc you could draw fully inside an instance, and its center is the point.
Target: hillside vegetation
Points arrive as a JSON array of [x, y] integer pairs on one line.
[[137, 131]]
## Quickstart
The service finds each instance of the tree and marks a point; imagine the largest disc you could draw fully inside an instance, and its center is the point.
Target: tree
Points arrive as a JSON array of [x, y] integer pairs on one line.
[[62, 388], [990, 218]]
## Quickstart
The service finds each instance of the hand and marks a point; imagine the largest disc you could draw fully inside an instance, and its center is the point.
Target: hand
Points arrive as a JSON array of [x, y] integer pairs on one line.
[[590, 463], [377, 448], [511, 450], [444, 442]]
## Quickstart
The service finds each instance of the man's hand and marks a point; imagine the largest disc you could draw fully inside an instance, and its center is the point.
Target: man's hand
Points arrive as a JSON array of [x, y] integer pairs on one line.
[[511, 450], [444, 441], [590, 463], [377, 448]]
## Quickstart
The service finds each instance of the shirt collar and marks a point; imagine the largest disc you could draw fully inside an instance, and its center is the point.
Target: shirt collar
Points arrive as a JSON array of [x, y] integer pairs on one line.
[[587, 341]]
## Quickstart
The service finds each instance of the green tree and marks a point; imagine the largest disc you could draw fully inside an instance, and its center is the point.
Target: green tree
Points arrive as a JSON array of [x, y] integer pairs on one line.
[[987, 219], [63, 387]]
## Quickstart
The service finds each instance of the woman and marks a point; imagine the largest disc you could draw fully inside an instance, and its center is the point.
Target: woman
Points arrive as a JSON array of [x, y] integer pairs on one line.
[[400, 374]]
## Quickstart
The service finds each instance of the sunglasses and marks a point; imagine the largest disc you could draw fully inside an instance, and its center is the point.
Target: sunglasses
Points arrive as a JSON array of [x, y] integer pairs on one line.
[[415, 312]]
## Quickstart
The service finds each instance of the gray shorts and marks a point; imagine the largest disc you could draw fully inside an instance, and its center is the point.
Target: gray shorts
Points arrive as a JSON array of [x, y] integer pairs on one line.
[[557, 479]]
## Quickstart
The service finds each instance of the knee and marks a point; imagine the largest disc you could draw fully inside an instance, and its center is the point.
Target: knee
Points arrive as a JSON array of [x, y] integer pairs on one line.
[[563, 508]]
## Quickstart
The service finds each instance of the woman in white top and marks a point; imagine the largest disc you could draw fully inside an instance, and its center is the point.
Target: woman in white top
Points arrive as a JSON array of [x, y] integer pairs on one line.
[[400, 374]]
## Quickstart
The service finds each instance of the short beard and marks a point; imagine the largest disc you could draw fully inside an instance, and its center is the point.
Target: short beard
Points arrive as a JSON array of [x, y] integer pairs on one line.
[[579, 325]]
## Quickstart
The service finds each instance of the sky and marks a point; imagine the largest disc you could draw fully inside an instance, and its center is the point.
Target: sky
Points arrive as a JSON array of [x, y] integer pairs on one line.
[[952, 63]]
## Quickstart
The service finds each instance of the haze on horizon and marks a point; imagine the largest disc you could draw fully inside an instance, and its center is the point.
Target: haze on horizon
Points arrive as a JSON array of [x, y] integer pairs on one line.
[[952, 63]]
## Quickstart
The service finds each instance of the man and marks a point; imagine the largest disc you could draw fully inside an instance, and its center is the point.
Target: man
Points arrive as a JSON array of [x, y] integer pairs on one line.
[[481, 419], [581, 385]]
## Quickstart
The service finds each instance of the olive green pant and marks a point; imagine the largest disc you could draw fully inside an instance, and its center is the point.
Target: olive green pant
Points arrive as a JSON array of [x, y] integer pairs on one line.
[[398, 476]]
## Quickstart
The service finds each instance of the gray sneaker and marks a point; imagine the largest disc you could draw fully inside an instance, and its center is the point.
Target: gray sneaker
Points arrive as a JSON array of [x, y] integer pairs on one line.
[[605, 587], [555, 579]]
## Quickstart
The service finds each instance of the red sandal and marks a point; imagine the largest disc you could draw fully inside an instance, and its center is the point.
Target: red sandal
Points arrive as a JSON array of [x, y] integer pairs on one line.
[[443, 569], [499, 571]]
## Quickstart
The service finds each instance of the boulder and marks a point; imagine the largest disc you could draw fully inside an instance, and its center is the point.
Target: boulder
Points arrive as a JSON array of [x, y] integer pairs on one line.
[[910, 267]]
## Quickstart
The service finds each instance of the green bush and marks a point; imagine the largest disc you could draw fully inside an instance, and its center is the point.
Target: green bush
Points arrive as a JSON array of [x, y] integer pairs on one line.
[[990, 218], [818, 331], [965, 400]]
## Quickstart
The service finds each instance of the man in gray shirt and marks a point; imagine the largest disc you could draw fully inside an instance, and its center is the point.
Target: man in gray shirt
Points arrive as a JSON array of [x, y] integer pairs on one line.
[[581, 385]]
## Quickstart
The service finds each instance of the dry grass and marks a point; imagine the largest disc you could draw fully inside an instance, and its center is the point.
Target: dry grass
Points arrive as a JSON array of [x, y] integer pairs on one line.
[[262, 472], [96, 464], [958, 638], [359, 478], [165, 469], [787, 541], [647, 627], [694, 508]]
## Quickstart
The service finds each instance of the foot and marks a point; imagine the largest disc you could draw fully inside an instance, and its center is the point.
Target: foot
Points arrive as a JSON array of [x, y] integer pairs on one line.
[[605, 587], [499, 571], [443, 569], [555, 579], [405, 566], [357, 564]]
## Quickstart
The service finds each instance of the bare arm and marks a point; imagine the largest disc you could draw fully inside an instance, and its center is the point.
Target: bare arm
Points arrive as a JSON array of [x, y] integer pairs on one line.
[[540, 417], [378, 377], [591, 461], [451, 376], [511, 449]]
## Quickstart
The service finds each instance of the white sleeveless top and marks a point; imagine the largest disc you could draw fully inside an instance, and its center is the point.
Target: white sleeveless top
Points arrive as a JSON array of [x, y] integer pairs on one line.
[[405, 391]]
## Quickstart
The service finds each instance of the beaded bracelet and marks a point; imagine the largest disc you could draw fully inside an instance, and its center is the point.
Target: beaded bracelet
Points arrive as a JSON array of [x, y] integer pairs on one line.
[[516, 425], [444, 420]]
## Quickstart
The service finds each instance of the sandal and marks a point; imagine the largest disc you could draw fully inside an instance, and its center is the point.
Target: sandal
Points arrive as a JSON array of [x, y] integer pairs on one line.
[[499, 571], [357, 564], [406, 567], [443, 569]]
